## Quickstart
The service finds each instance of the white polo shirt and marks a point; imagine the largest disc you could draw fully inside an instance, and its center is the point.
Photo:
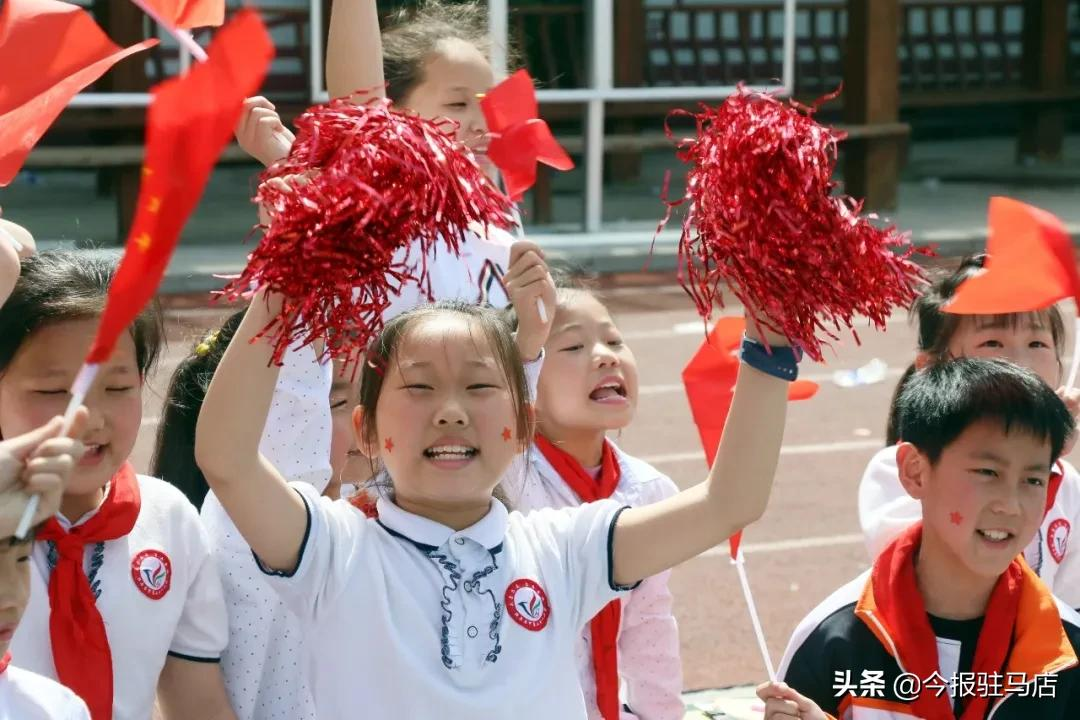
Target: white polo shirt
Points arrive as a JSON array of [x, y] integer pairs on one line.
[[180, 612], [459, 625], [28, 696]]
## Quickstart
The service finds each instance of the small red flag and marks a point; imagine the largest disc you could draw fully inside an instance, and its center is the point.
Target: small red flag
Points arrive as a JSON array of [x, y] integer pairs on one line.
[[189, 123], [188, 14], [709, 379], [1030, 263], [520, 139], [66, 50]]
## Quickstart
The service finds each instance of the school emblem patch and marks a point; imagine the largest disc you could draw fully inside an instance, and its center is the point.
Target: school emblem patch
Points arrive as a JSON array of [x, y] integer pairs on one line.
[[527, 604], [152, 573], [1057, 538]]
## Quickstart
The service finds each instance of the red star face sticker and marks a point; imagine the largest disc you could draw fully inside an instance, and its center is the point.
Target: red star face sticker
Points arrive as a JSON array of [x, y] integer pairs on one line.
[[956, 518], [389, 445], [507, 434]]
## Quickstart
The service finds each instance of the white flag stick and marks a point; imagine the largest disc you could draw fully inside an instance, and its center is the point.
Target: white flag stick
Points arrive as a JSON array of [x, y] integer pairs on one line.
[[79, 390], [541, 309], [182, 36], [740, 568]]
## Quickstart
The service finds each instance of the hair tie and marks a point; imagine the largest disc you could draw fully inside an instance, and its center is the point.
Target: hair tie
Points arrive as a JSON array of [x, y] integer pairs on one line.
[[207, 344]]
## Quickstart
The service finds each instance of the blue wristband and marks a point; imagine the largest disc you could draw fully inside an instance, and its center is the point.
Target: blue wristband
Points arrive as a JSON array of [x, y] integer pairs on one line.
[[783, 363]]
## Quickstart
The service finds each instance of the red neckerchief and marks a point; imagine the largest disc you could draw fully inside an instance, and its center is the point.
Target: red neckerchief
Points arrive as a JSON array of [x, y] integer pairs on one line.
[[900, 604], [365, 504], [4, 662], [79, 644], [604, 628]]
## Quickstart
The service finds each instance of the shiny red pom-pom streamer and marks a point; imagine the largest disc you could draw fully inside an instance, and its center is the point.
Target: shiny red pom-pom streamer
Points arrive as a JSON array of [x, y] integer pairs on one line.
[[762, 219], [384, 190]]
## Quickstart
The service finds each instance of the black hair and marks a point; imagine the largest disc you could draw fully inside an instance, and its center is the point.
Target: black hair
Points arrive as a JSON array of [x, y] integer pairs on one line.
[[935, 327], [174, 448], [942, 400], [60, 285]]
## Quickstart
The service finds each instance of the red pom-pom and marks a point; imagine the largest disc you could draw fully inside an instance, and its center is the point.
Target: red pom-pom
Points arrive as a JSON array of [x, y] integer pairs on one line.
[[762, 219], [377, 181]]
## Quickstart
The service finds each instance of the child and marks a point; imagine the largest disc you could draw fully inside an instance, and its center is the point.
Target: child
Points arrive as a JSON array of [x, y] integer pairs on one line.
[[433, 62], [174, 452], [447, 603], [23, 694], [126, 600], [951, 620], [39, 462], [1033, 340], [174, 448], [261, 631], [589, 386], [265, 683]]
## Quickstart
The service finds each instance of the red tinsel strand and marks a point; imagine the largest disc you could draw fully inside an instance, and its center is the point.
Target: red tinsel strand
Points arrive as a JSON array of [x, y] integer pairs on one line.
[[762, 220], [384, 191]]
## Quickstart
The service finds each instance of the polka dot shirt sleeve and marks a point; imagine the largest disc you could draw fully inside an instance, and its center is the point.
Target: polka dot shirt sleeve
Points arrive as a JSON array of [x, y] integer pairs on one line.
[[649, 661], [296, 438]]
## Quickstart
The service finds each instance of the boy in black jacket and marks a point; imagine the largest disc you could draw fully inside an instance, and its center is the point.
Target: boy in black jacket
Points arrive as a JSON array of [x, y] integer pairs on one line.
[[950, 622]]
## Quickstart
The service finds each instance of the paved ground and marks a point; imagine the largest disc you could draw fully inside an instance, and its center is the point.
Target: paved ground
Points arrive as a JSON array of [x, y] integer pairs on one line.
[[807, 544]]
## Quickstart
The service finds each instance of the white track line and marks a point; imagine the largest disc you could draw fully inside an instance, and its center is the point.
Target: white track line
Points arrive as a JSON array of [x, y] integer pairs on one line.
[[787, 545], [822, 377], [809, 449], [696, 327]]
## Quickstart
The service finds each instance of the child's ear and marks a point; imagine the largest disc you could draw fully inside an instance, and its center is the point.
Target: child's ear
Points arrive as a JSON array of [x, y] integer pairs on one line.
[[922, 359], [913, 468], [358, 432]]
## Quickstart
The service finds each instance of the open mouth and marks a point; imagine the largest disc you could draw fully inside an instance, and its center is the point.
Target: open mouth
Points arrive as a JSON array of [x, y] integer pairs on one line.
[[451, 452], [608, 391], [996, 537], [94, 453]]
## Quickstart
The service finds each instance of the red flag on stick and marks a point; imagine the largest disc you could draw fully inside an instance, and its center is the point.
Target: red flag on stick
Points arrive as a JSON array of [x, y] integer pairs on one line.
[[520, 139], [67, 51], [189, 123], [709, 379], [1030, 263]]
